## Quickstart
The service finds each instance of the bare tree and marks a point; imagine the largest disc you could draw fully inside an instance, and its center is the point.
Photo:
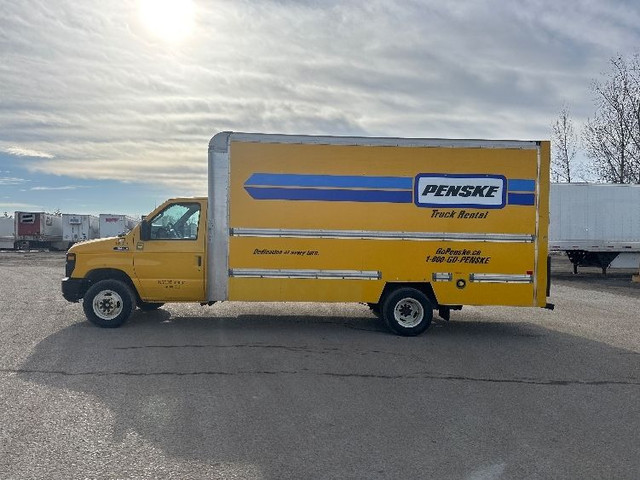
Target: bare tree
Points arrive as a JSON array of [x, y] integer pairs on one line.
[[633, 94], [565, 146], [610, 136]]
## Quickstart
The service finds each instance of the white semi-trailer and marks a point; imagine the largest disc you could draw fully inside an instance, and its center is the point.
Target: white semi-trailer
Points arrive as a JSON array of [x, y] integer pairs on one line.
[[38, 230], [596, 224], [7, 232], [113, 225], [78, 228]]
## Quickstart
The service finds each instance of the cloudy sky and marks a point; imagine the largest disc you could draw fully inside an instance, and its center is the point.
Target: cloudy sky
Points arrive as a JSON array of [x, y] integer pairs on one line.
[[107, 106]]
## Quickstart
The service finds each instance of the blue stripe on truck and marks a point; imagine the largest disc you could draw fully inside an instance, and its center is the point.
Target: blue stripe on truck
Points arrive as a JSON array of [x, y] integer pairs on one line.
[[522, 185], [522, 199], [328, 181], [331, 195]]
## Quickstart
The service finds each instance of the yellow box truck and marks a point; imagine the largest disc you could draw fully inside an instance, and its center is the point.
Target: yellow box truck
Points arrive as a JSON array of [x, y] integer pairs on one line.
[[407, 226]]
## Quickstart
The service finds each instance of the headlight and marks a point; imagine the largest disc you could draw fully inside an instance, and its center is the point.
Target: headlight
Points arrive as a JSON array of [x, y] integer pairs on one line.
[[70, 264]]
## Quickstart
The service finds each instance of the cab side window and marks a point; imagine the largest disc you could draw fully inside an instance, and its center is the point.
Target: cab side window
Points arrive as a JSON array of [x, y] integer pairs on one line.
[[178, 221]]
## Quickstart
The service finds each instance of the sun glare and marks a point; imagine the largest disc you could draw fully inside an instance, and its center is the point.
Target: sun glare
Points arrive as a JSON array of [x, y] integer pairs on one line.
[[170, 20]]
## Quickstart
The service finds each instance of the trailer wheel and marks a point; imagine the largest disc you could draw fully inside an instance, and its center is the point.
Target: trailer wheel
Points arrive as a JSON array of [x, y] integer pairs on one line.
[[149, 306], [407, 312], [108, 303]]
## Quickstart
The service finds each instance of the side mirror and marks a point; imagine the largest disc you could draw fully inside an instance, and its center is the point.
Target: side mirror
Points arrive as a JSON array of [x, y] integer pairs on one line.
[[145, 230]]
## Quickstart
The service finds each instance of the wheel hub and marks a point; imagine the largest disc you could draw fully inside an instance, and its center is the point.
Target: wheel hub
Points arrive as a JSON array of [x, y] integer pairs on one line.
[[107, 305], [408, 312]]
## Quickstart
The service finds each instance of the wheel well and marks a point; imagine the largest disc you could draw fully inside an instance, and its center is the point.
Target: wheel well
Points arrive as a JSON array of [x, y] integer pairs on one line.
[[112, 274], [423, 287]]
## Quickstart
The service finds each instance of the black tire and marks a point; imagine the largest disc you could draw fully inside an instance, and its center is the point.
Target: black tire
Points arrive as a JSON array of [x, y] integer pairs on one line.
[[149, 306], [407, 312], [108, 303]]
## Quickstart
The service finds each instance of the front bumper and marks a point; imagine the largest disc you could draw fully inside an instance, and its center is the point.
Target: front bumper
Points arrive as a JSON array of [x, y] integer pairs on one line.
[[73, 289]]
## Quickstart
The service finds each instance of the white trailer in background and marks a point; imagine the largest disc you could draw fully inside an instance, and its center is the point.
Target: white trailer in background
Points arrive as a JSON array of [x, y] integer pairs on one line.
[[7, 232], [38, 230], [113, 225], [596, 224], [78, 228]]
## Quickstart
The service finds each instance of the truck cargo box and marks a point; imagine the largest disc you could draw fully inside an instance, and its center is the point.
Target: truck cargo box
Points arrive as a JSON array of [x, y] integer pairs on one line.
[[292, 215]]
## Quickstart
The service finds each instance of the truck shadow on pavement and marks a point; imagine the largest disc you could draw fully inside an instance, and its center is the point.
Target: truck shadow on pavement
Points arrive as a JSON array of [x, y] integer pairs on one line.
[[291, 396]]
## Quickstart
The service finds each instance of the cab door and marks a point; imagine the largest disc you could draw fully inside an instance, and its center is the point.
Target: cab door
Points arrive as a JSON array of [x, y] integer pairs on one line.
[[170, 262]]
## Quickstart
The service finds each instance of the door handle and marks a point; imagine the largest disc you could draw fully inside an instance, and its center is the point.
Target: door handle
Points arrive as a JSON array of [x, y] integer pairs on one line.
[[199, 261]]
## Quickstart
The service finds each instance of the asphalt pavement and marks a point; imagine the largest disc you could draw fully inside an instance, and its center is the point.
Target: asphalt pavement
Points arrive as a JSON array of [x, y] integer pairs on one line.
[[305, 391]]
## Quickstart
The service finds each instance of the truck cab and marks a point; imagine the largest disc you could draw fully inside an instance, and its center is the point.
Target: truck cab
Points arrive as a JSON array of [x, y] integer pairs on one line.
[[162, 259]]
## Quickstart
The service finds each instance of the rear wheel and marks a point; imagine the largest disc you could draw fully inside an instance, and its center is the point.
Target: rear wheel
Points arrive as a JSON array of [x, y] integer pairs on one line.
[[407, 311], [108, 303]]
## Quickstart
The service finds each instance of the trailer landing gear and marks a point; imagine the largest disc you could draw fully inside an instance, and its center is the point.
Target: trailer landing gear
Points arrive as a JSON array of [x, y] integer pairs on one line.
[[582, 258]]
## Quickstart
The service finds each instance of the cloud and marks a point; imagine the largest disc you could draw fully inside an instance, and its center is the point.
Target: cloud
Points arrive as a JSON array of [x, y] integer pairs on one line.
[[66, 187], [89, 83], [27, 152], [12, 181]]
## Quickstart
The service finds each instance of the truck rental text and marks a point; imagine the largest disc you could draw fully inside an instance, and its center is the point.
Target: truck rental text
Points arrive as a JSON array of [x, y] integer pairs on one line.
[[407, 226]]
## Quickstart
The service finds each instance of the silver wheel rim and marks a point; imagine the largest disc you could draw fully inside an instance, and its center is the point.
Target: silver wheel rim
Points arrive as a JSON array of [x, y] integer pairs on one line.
[[408, 312], [108, 304]]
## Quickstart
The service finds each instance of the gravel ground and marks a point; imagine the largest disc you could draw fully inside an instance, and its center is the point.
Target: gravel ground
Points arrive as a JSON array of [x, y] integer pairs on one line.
[[318, 391]]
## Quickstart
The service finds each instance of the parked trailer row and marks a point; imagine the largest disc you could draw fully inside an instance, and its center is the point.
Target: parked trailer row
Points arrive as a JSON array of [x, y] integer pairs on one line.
[[29, 230], [78, 228]]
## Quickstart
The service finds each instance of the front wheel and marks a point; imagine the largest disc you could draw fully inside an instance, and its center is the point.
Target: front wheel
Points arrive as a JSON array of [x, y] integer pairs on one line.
[[108, 303], [407, 311]]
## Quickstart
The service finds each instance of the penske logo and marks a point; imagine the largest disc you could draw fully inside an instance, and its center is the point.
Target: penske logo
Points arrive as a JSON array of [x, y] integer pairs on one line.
[[452, 190]]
